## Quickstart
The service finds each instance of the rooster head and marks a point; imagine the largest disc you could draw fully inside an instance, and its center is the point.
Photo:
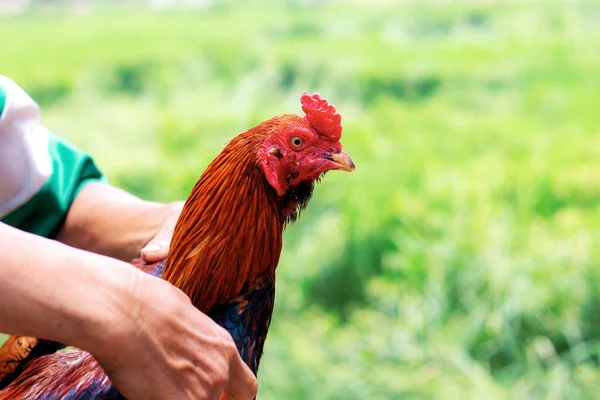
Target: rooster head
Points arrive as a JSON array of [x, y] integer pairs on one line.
[[298, 150]]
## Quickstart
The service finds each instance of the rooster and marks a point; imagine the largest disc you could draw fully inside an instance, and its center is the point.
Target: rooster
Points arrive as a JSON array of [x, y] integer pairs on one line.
[[225, 247]]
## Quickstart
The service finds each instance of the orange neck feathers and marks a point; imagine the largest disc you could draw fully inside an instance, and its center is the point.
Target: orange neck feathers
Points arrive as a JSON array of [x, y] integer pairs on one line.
[[229, 233]]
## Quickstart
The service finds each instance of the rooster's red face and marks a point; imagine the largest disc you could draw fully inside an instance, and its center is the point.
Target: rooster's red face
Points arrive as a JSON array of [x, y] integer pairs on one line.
[[302, 149]]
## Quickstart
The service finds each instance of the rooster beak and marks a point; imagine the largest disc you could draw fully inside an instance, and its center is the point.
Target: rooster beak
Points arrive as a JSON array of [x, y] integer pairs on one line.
[[342, 160]]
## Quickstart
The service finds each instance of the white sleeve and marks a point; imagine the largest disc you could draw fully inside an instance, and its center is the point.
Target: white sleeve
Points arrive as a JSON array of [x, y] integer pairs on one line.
[[25, 163]]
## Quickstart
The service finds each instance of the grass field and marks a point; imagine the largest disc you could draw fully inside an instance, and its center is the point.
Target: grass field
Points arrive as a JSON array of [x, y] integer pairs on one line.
[[460, 261]]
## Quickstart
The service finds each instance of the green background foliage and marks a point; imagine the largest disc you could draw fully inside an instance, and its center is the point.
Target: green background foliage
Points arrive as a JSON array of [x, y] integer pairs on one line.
[[459, 261]]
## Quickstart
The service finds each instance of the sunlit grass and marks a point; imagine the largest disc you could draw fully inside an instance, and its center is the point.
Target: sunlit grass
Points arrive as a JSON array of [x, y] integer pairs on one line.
[[460, 260]]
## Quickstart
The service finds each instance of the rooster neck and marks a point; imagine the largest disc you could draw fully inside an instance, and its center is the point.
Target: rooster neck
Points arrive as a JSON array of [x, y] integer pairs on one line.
[[229, 233]]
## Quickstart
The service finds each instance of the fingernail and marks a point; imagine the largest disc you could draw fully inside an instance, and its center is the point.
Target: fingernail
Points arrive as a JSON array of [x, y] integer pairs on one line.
[[152, 247]]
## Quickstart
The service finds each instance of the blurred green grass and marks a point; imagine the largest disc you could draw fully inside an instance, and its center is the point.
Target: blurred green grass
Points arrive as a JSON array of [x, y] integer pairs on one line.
[[460, 260]]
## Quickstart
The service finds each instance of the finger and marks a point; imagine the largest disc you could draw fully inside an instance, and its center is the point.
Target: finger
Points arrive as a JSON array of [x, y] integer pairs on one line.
[[242, 383]]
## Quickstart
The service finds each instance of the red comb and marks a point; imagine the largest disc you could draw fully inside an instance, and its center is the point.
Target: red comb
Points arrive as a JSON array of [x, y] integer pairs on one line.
[[322, 116]]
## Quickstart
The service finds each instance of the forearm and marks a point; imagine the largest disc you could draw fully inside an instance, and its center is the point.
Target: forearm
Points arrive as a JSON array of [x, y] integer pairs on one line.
[[109, 221], [52, 291]]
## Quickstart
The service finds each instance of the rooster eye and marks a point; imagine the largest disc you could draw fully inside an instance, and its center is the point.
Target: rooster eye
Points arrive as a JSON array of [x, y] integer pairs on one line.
[[297, 141]]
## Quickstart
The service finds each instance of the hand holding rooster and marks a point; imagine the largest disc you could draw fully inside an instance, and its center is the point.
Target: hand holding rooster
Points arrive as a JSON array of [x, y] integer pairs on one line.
[[140, 334]]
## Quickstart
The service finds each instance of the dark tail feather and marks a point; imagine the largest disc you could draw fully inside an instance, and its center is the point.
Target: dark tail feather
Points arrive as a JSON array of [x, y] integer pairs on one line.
[[66, 375]]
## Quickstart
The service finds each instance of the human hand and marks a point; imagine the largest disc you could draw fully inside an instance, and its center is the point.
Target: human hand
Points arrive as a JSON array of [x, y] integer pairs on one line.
[[166, 349], [157, 248]]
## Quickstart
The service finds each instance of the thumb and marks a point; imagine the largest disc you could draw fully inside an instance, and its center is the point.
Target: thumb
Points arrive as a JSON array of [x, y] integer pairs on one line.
[[155, 250], [158, 248]]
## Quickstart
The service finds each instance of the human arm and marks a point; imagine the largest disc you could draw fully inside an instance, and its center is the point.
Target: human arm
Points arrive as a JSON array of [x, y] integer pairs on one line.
[[51, 188], [145, 333], [106, 220]]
